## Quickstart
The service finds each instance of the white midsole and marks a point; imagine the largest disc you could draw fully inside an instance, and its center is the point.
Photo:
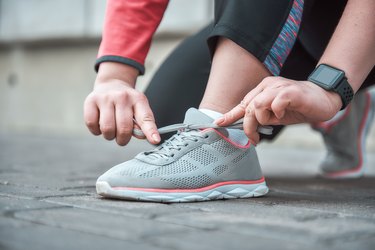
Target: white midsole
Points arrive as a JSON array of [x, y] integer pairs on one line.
[[231, 191]]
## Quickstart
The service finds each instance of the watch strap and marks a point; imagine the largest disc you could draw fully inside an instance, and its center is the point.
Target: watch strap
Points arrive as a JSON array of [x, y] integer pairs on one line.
[[345, 91]]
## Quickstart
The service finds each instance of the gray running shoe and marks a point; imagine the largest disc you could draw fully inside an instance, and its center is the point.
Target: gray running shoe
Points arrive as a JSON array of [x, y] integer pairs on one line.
[[345, 138], [193, 165]]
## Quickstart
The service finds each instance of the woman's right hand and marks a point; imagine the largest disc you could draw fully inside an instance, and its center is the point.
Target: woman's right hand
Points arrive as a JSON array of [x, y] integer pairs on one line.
[[110, 108]]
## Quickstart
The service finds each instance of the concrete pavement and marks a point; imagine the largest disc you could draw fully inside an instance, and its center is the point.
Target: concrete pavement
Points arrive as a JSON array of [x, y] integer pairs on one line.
[[48, 201]]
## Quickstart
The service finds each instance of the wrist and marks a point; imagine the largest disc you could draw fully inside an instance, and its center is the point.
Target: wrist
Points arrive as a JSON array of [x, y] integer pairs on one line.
[[117, 71], [335, 100]]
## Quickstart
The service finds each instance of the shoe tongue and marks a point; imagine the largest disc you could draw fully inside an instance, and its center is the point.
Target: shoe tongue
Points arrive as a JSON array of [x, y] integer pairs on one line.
[[194, 116]]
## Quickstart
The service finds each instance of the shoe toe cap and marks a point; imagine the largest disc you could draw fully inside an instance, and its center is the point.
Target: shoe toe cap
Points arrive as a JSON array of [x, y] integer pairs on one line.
[[118, 175], [129, 174]]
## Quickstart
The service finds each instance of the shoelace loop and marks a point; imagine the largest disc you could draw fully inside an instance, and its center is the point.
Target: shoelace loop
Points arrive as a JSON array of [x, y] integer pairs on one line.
[[176, 142]]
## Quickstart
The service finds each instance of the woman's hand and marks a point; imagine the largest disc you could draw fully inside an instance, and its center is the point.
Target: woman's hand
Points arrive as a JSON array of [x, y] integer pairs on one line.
[[110, 108], [278, 100]]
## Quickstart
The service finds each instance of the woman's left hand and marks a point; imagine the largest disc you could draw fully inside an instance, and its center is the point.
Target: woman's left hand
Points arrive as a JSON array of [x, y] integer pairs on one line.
[[281, 101]]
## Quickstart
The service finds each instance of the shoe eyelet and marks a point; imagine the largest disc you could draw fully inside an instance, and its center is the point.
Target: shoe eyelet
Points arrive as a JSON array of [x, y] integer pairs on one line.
[[206, 136], [172, 155], [187, 144], [196, 140]]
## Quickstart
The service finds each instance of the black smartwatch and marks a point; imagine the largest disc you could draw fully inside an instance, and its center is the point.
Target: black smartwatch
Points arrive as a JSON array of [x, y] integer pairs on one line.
[[333, 79]]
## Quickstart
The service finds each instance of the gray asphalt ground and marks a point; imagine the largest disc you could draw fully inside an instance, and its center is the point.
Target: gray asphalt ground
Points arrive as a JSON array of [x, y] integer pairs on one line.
[[48, 201]]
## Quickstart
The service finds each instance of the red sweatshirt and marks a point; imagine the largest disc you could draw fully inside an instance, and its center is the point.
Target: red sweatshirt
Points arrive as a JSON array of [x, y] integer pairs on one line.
[[128, 29]]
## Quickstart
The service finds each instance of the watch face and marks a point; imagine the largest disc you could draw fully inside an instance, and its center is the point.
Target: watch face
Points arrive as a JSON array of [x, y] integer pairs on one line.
[[327, 76]]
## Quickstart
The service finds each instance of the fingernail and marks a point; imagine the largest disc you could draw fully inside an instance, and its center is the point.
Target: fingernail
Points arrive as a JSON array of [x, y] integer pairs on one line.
[[219, 120], [156, 138]]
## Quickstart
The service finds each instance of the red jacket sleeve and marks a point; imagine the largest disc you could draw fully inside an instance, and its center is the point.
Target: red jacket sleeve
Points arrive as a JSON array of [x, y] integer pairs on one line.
[[128, 29]]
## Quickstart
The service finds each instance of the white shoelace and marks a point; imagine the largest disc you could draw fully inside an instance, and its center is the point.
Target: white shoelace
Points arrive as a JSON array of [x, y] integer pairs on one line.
[[186, 132], [267, 130]]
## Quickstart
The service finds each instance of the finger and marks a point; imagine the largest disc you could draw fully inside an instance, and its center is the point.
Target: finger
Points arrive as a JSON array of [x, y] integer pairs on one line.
[[289, 107], [107, 121], [138, 128], [280, 104], [263, 116], [250, 125], [231, 116], [124, 124], [262, 105], [239, 111], [145, 119], [91, 116]]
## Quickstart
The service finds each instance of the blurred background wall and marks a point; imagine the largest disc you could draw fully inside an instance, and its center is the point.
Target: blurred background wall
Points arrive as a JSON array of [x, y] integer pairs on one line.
[[47, 52]]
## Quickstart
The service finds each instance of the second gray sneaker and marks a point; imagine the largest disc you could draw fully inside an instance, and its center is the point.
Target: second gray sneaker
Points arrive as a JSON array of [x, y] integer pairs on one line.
[[193, 165], [345, 138]]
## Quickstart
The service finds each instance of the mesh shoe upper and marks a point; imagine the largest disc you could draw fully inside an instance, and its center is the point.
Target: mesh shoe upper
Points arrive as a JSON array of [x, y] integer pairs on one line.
[[190, 159]]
